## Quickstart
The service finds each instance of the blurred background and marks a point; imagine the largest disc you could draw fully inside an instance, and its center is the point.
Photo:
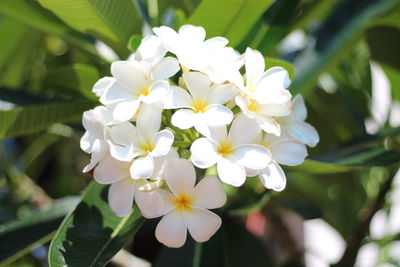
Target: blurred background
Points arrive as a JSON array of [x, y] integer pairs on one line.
[[340, 208]]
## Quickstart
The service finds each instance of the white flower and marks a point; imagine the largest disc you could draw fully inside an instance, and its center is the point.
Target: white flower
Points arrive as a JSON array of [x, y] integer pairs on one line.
[[203, 107], [284, 150], [233, 153], [188, 45], [186, 208], [265, 95], [223, 65], [124, 189], [295, 124], [150, 49], [96, 122], [143, 142], [135, 82]]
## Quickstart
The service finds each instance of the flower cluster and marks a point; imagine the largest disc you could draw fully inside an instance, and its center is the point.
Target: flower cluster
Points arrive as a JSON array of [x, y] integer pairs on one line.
[[241, 120]]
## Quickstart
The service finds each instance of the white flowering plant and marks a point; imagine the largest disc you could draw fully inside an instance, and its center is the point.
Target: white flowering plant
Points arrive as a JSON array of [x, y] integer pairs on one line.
[[199, 133], [185, 118]]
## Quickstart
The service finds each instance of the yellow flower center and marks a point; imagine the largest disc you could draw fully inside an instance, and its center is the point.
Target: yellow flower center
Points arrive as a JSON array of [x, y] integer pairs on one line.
[[253, 106], [144, 91], [199, 106], [225, 149], [148, 146], [183, 202]]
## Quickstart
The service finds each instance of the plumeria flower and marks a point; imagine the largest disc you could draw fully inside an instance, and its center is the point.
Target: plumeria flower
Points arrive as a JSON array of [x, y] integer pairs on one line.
[[264, 96], [142, 143], [203, 105], [233, 153], [188, 45], [135, 82], [187, 206], [223, 65], [284, 150], [124, 189], [296, 127], [96, 123], [150, 49]]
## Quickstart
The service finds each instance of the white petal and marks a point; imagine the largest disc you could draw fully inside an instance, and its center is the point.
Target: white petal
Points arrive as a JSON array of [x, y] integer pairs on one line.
[[149, 121], [272, 87], [268, 125], [163, 142], [183, 119], [276, 110], [218, 115], [299, 108], [86, 142], [142, 168], [122, 153], [254, 63], [198, 84], [102, 85], [230, 172], [120, 197], [177, 98], [128, 75], [124, 111], [222, 93], [168, 37], [180, 176], [216, 42], [304, 132], [190, 33], [115, 93], [172, 230], [243, 130], [100, 149], [160, 164], [158, 91], [216, 134], [289, 153], [202, 224], [149, 203], [209, 193], [203, 153], [253, 156], [166, 68], [151, 47], [273, 177], [123, 133], [108, 171]]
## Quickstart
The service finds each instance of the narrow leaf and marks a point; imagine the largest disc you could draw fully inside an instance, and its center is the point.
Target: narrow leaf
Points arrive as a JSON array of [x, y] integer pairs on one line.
[[19, 236], [30, 119]]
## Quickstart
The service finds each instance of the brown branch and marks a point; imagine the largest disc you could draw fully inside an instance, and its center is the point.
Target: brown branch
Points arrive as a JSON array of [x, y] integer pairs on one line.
[[354, 241]]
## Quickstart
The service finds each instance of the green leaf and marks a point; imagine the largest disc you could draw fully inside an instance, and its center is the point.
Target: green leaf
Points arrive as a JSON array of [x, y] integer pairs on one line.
[[33, 15], [19, 236], [231, 19], [334, 43], [320, 167], [30, 119], [15, 32], [77, 78], [110, 21], [92, 233], [245, 249], [134, 42]]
